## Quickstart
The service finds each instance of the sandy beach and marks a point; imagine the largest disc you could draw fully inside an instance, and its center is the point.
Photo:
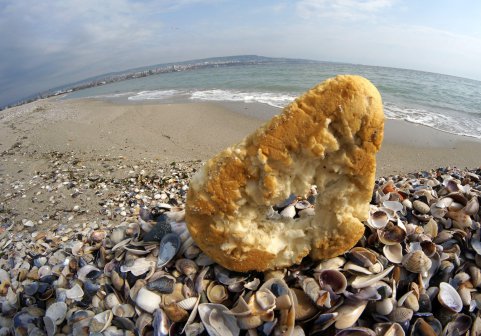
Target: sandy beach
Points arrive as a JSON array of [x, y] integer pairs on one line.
[[80, 177], [196, 131], [121, 140]]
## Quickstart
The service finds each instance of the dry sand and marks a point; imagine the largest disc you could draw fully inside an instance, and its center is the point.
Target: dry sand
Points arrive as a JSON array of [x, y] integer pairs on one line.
[[195, 131], [40, 140]]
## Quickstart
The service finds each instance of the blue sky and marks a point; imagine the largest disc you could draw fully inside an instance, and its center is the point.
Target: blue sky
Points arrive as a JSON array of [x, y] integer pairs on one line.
[[48, 43]]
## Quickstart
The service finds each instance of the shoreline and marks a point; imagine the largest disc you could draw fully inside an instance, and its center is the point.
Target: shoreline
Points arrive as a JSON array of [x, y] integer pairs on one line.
[[87, 198], [192, 131]]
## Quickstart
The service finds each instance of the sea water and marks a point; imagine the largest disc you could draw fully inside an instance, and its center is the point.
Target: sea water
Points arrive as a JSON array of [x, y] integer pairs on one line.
[[447, 103]]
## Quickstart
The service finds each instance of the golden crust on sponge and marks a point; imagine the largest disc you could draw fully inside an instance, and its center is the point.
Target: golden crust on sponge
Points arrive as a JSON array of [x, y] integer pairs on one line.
[[329, 137]]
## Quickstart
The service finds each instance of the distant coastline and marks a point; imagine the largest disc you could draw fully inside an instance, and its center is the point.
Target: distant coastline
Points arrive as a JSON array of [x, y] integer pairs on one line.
[[157, 69]]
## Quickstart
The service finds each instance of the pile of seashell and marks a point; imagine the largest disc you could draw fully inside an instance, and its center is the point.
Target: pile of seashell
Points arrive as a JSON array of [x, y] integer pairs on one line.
[[416, 271]]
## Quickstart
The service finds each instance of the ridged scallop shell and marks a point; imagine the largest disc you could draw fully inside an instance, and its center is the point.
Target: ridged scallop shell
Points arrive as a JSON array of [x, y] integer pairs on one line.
[[188, 304], [416, 262], [401, 314]]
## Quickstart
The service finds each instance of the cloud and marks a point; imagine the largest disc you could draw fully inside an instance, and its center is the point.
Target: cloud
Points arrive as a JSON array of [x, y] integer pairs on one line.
[[342, 9], [49, 43]]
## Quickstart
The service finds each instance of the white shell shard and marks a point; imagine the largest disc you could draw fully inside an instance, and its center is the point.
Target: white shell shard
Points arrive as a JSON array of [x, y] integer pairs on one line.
[[265, 299], [362, 281], [395, 206], [139, 267], [86, 270], [101, 321], [217, 320], [123, 310], [75, 293], [332, 263]]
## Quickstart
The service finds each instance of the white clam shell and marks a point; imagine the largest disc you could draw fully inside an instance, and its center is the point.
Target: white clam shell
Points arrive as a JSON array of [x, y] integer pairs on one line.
[[421, 207], [378, 219], [395, 206], [349, 314], [57, 312], [362, 281], [111, 300], [384, 307], [289, 211], [50, 326], [449, 297], [393, 253], [147, 300], [4, 276]]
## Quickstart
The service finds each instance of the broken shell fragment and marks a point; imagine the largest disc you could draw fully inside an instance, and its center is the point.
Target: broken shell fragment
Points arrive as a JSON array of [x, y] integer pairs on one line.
[[362, 281], [123, 310], [101, 321], [217, 320], [265, 299]]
